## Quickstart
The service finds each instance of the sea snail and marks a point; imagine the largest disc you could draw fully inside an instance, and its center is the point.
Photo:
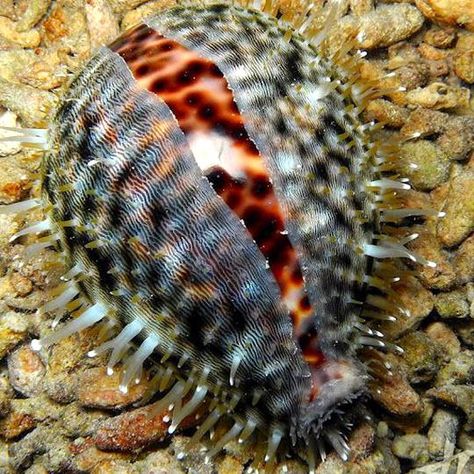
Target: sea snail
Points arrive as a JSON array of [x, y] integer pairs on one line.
[[211, 185]]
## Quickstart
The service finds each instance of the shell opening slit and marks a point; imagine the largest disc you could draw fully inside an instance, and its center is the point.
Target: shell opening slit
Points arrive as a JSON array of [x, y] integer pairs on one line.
[[210, 183]]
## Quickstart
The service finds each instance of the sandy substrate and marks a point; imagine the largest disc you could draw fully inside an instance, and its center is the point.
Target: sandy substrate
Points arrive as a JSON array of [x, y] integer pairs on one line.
[[58, 410]]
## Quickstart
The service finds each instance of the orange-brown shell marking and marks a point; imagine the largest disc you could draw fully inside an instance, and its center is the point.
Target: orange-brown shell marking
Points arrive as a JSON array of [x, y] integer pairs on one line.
[[199, 96]]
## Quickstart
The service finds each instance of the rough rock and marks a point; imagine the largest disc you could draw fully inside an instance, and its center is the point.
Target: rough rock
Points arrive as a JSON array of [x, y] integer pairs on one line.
[[440, 37], [87, 458], [6, 394], [436, 60], [32, 14], [462, 463], [359, 7], [74, 28], [396, 395], [413, 423], [120, 6], [403, 54], [367, 456], [455, 134], [465, 330], [65, 28], [8, 29], [464, 261], [466, 440], [13, 327], [463, 65], [42, 440], [26, 304], [8, 119], [442, 434], [76, 422], [420, 355], [43, 270], [388, 24], [16, 424], [134, 429], [26, 371], [459, 370], [42, 68], [194, 456], [441, 277], [463, 60], [24, 414], [459, 208], [65, 360], [450, 12], [292, 466], [114, 466], [439, 96], [431, 53], [32, 105], [21, 285], [413, 447], [385, 111], [14, 181], [465, 40], [413, 76], [470, 298], [98, 390], [161, 462], [134, 17], [445, 337], [230, 465], [414, 298], [37, 468], [453, 304], [8, 226], [7, 8], [101, 22], [460, 396], [457, 141], [424, 164]]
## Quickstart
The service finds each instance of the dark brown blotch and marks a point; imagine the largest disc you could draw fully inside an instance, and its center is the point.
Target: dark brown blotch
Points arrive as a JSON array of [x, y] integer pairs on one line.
[[207, 112], [261, 187]]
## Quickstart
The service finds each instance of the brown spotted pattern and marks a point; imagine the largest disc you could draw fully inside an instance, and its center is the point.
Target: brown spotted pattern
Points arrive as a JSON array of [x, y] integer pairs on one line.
[[198, 94]]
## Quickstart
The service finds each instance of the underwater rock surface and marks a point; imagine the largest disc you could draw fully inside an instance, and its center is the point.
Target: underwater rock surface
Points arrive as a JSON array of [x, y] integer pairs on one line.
[[64, 413]]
